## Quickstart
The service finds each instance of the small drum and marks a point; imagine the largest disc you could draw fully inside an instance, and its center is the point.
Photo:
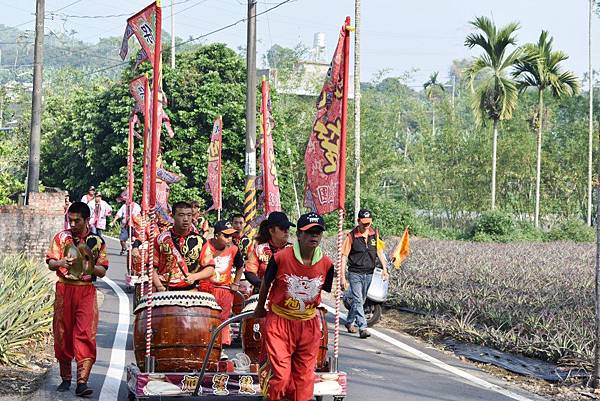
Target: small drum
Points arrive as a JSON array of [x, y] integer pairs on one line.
[[182, 322], [251, 335]]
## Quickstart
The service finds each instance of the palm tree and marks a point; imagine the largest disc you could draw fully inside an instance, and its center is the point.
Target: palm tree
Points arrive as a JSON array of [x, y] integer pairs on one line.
[[540, 68], [495, 92], [432, 89]]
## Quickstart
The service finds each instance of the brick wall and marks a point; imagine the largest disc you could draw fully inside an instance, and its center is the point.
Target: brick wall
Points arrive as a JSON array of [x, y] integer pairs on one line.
[[29, 229]]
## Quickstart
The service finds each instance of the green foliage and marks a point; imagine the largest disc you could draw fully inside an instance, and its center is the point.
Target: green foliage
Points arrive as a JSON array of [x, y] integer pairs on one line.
[[492, 226], [390, 216], [572, 230], [26, 298]]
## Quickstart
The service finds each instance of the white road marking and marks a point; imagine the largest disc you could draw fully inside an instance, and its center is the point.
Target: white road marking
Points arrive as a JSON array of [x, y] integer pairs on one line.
[[114, 374], [442, 365]]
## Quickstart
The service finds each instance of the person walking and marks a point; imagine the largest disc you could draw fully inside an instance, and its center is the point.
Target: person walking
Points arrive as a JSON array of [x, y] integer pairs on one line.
[[361, 252], [89, 196], [100, 210]]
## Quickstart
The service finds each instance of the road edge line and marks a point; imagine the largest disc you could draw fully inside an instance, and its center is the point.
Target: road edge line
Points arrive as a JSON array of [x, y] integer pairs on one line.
[[442, 365], [114, 374]]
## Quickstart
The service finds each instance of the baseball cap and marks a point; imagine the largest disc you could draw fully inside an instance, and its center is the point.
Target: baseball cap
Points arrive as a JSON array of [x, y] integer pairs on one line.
[[223, 226], [310, 220], [365, 216], [279, 219], [92, 188]]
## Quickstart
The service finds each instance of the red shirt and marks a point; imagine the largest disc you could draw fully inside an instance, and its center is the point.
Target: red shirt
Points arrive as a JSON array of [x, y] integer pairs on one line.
[[259, 256], [225, 260], [296, 289]]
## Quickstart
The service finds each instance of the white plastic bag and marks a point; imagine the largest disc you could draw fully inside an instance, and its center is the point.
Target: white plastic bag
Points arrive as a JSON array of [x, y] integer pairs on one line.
[[379, 287]]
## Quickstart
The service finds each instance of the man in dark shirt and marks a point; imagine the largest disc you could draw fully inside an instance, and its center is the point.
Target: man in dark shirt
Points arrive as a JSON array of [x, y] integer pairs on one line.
[[360, 251]]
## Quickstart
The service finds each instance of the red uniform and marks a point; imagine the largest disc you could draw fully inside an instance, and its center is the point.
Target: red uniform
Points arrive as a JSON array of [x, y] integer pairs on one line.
[[292, 328], [75, 309], [225, 260], [258, 257], [176, 256]]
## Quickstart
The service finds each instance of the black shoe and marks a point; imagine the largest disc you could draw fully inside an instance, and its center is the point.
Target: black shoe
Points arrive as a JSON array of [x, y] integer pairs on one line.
[[64, 386], [122, 252], [83, 390], [351, 328], [364, 334]]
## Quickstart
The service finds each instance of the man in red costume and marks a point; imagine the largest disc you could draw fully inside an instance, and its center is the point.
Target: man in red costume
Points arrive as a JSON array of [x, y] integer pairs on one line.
[[77, 257], [293, 282], [180, 258], [226, 256]]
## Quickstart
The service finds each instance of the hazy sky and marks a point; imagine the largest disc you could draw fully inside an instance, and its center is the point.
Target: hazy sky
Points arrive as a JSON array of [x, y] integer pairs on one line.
[[398, 35]]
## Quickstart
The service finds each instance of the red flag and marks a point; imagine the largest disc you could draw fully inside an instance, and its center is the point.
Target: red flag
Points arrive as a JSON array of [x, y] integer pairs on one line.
[[137, 89], [402, 249], [130, 142], [326, 150], [125, 43], [213, 177], [268, 172], [143, 26]]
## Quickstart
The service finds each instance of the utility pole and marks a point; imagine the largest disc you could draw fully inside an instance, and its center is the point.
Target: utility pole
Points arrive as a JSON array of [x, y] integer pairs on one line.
[[596, 369], [453, 88], [356, 109], [33, 171], [591, 117], [250, 167], [172, 34]]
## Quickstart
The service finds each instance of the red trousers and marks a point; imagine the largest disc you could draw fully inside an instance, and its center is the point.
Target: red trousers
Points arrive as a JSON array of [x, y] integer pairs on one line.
[[225, 300], [74, 325], [292, 347]]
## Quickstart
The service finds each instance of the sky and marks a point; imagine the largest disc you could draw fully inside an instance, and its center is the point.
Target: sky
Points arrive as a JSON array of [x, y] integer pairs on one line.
[[396, 35]]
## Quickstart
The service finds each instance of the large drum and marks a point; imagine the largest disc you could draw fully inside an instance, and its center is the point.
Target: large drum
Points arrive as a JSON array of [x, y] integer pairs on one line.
[[251, 336], [182, 322]]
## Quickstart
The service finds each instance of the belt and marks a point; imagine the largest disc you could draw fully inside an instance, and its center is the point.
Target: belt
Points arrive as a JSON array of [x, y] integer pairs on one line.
[[73, 282]]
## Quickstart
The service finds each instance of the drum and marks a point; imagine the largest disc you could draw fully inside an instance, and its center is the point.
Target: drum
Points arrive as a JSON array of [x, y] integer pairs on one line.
[[238, 302], [182, 322], [251, 336], [322, 361]]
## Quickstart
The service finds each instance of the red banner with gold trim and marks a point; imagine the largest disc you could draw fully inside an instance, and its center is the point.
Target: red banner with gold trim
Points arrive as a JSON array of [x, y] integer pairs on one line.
[[213, 177]]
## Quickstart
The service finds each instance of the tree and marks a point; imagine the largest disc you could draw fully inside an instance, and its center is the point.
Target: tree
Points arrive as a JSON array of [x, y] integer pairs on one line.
[[540, 68], [432, 90], [495, 92]]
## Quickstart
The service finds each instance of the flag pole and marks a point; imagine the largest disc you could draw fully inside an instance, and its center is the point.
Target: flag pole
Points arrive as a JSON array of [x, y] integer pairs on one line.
[[145, 182], [129, 190], [149, 360], [341, 199], [220, 170], [265, 156]]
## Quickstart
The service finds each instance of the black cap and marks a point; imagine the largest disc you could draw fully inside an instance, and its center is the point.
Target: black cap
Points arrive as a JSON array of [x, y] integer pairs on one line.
[[91, 188], [223, 226], [310, 220], [365, 216], [279, 219]]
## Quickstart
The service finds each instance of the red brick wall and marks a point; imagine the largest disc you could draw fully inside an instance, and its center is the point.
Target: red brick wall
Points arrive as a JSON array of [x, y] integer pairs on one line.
[[29, 229]]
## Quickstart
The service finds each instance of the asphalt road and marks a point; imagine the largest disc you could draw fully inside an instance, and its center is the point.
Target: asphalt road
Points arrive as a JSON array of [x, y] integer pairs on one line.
[[388, 366]]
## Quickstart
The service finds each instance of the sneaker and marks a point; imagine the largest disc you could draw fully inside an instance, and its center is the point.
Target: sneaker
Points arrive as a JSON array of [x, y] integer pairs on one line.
[[364, 334], [122, 252], [224, 356], [351, 328], [83, 390], [64, 386]]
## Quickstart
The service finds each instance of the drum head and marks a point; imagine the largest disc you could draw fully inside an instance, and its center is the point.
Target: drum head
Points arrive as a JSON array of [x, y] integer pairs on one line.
[[180, 298], [251, 303]]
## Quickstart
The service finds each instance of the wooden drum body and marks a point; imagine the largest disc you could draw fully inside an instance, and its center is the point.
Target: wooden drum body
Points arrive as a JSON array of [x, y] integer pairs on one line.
[[322, 361], [182, 322], [251, 332]]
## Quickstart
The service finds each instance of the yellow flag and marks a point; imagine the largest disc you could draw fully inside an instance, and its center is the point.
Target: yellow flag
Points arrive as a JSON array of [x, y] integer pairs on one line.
[[402, 249]]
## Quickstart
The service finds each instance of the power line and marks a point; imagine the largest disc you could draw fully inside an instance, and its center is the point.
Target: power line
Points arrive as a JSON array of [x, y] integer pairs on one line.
[[114, 15], [196, 38], [234, 23]]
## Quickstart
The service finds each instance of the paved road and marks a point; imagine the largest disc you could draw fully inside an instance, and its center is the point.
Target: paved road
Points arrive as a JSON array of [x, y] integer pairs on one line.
[[388, 366]]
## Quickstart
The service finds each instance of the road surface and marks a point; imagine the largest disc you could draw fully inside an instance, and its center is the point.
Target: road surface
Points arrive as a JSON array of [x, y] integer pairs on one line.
[[388, 366]]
